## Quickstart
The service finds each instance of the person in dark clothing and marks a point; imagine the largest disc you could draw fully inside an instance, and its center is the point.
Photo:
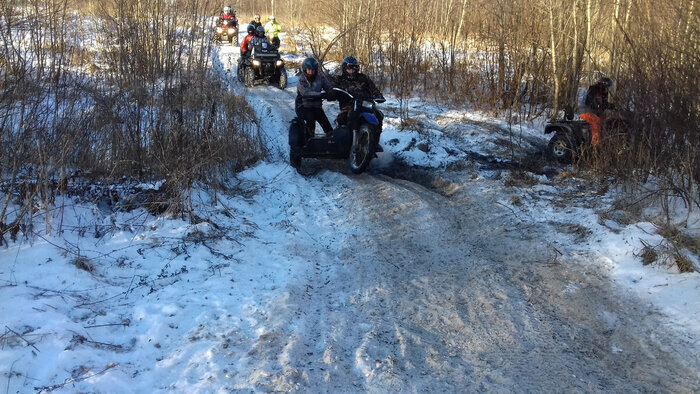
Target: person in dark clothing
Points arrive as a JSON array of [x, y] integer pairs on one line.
[[597, 96], [355, 83], [259, 39], [311, 90], [595, 104], [256, 21]]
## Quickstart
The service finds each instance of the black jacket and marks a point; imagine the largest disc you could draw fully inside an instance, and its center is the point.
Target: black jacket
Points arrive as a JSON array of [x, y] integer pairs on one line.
[[359, 85], [597, 99]]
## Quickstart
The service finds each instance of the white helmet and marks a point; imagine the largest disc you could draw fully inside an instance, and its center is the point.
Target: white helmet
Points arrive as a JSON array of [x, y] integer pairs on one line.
[[227, 10], [272, 17]]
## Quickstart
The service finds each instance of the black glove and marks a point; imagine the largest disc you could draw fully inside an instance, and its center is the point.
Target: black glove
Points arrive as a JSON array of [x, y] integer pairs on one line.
[[323, 95]]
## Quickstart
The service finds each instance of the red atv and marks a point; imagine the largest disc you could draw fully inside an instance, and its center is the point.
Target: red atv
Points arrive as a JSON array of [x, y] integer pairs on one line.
[[226, 30]]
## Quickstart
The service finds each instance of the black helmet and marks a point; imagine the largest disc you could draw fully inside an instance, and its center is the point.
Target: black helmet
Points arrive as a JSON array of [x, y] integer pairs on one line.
[[350, 63], [260, 31], [251, 29], [309, 64], [606, 81]]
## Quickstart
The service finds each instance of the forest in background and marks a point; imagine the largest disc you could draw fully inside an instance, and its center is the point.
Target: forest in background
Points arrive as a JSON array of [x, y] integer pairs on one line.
[[125, 88]]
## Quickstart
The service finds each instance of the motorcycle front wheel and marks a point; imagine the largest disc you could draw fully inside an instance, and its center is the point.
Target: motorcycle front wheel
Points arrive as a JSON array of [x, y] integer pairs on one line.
[[362, 151]]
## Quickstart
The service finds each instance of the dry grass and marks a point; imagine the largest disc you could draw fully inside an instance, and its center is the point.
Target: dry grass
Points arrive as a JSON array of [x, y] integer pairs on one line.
[[83, 263]]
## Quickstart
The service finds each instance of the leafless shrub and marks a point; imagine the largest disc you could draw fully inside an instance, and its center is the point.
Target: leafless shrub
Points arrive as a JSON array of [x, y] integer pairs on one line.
[[142, 104]]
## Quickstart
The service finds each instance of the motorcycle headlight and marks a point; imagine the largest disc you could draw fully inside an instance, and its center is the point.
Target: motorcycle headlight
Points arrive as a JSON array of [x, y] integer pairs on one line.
[[230, 31], [225, 23], [256, 62], [367, 104], [219, 30], [279, 63]]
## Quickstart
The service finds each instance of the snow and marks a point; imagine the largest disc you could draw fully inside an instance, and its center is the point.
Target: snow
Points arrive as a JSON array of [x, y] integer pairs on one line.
[[164, 305]]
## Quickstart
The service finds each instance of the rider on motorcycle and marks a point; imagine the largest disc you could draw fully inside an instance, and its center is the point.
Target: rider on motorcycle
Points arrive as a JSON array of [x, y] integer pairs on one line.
[[357, 84], [312, 88]]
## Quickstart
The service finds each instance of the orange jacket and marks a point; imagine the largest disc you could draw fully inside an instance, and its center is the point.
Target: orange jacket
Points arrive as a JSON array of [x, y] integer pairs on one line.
[[244, 43]]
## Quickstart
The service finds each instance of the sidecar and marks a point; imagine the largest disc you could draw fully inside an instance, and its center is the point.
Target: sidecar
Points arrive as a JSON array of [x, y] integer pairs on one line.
[[302, 145]]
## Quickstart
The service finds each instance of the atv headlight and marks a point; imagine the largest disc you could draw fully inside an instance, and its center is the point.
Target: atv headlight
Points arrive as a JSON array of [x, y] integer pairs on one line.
[[256, 62], [219, 30], [231, 31], [279, 63]]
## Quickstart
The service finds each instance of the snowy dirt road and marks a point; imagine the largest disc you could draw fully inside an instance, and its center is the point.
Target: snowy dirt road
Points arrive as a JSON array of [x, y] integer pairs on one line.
[[437, 288]]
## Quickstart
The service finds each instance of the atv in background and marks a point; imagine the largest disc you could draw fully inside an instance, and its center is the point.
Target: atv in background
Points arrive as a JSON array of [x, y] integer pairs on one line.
[[572, 137], [266, 65], [226, 30]]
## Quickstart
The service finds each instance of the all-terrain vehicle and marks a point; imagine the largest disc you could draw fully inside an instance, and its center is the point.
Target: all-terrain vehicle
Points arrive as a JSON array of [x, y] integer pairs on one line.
[[572, 137], [264, 65], [226, 30], [356, 141]]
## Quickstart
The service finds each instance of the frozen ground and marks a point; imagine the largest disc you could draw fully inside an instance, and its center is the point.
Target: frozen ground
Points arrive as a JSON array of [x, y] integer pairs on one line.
[[444, 268]]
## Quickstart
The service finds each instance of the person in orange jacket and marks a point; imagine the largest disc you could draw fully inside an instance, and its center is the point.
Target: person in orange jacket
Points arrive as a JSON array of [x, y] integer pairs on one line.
[[246, 40], [595, 104], [245, 53]]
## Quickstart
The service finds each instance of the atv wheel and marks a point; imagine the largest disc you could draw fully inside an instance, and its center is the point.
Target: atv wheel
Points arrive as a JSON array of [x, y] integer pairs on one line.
[[362, 152], [239, 72], [560, 148], [249, 77], [282, 79]]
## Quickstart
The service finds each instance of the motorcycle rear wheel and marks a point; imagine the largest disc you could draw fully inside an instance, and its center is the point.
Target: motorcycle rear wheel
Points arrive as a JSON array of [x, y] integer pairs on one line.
[[362, 153]]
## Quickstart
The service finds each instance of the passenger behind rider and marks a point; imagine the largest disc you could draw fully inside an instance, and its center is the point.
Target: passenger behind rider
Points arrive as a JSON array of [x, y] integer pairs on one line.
[[273, 29], [312, 88], [595, 104], [256, 21], [245, 53], [357, 84]]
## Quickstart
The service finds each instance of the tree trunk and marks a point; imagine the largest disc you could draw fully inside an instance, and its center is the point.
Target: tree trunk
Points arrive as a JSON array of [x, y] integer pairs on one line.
[[553, 48]]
